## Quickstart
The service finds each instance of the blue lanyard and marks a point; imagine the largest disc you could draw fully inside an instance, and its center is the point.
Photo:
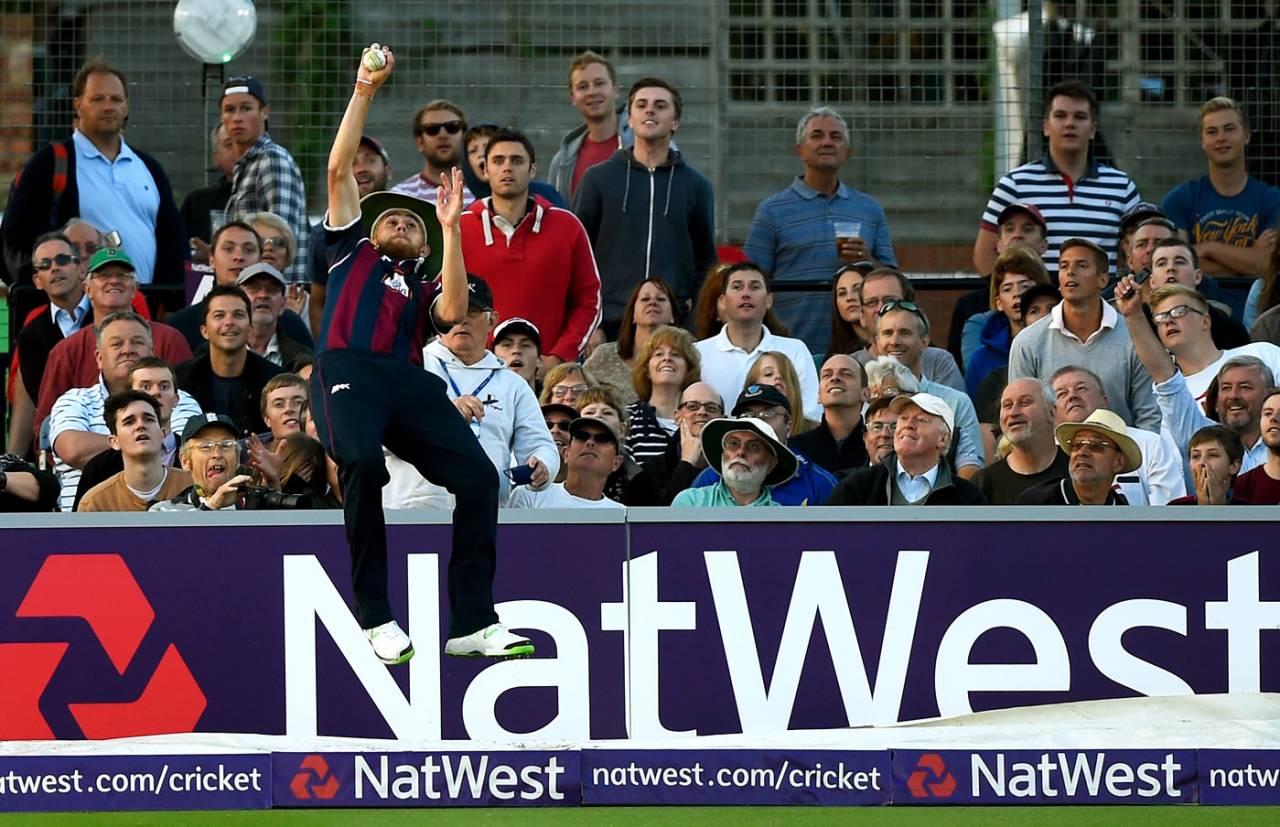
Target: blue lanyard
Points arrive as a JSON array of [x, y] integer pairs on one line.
[[458, 391]]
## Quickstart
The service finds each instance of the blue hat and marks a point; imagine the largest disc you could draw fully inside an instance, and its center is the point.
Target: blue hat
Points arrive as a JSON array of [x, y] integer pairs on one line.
[[761, 395]]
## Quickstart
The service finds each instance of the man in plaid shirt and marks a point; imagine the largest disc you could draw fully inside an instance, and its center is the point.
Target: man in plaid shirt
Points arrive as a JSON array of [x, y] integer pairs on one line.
[[266, 178]]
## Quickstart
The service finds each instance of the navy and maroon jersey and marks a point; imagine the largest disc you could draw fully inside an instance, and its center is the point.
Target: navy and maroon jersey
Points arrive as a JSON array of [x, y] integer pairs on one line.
[[373, 303]]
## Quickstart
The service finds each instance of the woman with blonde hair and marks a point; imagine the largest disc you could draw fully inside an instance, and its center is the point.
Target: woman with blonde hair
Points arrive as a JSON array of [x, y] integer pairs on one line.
[[565, 383], [666, 365], [774, 368]]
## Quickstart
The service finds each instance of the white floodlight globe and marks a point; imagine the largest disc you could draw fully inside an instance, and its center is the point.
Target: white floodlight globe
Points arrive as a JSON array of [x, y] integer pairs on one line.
[[214, 31]]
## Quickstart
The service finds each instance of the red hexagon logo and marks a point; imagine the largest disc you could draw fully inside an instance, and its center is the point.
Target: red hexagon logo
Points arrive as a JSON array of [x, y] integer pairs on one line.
[[930, 778], [313, 780], [100, 589]]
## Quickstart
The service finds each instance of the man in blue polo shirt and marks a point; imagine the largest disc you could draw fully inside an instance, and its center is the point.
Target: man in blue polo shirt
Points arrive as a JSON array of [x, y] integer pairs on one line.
[[807, 231], [369, 388]]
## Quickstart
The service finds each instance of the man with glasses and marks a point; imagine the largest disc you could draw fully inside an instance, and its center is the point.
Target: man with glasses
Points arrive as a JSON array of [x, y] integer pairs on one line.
[[1078, 393], [809, 484], [885, 285], [917, 473], [266, 178], [1185, 322], [881, 421], [594, 452], [210, 453], [837, 443], [59, 275], [1098, 449], [438, 129], [1084, 330], [748, 459], [1173, 260], [110, 285], [669, 473], [902, 331]]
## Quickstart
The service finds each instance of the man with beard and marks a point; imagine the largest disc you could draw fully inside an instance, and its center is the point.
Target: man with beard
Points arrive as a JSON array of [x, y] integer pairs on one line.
[[748, 458], [1159, 478], [1099, 448], [386, 251], [372, 169], [1026, 421], [438, 129], [228, 377], [837, 443], [917, 473], [1261, 485]]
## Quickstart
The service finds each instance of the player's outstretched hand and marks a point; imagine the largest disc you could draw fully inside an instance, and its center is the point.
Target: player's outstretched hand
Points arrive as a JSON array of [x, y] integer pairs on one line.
[[375, 78], [449, 198]]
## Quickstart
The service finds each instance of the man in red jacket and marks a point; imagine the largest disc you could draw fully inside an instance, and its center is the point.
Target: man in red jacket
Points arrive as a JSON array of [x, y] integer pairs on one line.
[[536, 257]]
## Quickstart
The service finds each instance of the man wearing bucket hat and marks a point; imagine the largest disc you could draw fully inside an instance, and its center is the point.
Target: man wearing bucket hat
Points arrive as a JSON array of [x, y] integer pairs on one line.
[[917, 473], [369, 388], [1098, 449], [750, 459]]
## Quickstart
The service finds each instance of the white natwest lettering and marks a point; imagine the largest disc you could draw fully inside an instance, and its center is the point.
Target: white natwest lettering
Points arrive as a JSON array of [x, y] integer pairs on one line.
[[463, 778], [818, 592], [1054, 776]]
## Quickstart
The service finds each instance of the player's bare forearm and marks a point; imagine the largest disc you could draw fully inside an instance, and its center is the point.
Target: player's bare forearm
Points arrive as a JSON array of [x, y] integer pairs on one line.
[[344, 194]]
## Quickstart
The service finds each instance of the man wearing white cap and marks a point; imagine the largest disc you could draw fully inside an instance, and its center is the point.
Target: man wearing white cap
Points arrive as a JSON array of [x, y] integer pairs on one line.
[[917, 473], [1099, 448], [750, 459]]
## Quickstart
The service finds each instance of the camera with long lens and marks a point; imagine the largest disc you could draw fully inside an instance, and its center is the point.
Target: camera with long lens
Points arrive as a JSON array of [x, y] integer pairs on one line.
[[270, 498]]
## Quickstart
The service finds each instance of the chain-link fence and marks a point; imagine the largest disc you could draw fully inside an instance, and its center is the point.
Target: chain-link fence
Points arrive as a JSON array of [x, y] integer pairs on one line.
[[941, 95]]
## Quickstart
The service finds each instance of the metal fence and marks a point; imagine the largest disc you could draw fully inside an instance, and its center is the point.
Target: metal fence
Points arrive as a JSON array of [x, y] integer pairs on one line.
[[941, 95]]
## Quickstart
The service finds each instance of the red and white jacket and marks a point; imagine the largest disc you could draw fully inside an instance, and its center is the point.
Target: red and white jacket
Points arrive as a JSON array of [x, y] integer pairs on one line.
[[546, 272]]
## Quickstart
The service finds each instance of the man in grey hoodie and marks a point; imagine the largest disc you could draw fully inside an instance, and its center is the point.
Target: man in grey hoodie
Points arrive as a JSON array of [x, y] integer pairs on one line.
[[593, 91], [646, 211]]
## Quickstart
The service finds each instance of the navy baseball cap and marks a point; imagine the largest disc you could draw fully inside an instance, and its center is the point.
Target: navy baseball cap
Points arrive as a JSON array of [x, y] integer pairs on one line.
[[376, 146], [196, 424], [479, 296], [761, 395], [245, 85], [1138, 213]]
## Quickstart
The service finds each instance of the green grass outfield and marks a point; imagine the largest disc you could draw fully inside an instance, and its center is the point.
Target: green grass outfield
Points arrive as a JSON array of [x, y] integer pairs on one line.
[[1137, 816]]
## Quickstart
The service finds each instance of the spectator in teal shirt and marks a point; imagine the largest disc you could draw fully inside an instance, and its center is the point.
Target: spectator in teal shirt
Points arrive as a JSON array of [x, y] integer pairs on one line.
[[750, 460]]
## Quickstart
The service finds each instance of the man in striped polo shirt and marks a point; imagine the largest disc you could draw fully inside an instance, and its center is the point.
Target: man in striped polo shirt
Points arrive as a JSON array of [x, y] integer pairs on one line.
[[1078, 197], [369, 389]]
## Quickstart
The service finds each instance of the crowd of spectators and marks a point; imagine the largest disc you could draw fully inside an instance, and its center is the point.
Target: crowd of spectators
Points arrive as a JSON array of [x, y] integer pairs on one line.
[[612, 357]]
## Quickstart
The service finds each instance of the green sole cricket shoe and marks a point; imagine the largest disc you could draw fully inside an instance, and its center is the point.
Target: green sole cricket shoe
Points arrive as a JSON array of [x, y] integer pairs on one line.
[[390, 643], [494, 641]]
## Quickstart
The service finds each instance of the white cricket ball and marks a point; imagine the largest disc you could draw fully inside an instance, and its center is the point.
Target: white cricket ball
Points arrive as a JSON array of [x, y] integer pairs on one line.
[[374, 58]]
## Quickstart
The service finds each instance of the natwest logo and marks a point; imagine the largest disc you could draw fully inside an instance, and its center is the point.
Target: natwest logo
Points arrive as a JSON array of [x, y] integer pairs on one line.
[[313, 780], [99, 589], [931, 778]]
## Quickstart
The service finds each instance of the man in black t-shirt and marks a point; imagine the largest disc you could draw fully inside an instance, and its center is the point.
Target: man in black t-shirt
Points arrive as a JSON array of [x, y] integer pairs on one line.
[[1026, 421]]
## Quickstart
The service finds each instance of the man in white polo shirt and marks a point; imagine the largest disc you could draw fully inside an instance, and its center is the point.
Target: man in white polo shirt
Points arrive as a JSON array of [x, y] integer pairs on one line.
[[726, 357]]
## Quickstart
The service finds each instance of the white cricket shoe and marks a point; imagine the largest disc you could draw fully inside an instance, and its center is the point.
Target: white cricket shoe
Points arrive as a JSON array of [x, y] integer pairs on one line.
[[390, 643], [494, 641]]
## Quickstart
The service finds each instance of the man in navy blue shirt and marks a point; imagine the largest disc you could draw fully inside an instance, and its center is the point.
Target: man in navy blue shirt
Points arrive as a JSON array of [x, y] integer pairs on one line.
[[369, 388]]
